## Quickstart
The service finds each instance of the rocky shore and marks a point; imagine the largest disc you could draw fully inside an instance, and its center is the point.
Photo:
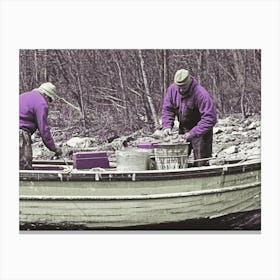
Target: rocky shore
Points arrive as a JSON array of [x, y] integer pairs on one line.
[[234, 139]]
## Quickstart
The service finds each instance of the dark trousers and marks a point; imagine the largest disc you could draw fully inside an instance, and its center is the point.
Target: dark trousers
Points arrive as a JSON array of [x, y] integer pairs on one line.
[[25, 150], [202, 148]]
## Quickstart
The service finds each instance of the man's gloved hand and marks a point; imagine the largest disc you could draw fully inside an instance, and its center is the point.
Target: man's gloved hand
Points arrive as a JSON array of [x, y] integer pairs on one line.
[[167, 132], [58, 151], [187, 136]]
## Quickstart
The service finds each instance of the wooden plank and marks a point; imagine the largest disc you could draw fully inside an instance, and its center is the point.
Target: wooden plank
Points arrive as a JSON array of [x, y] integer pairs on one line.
[[140, 197], [86, 188], [118, 213]]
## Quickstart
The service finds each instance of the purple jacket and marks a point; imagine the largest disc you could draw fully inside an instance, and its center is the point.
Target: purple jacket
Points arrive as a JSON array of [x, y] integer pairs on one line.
[[33, 114], [196, 111]]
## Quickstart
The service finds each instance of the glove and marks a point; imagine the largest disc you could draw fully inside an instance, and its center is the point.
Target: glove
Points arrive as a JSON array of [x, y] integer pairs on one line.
[[58, 151], [187, 136], [167, 132]]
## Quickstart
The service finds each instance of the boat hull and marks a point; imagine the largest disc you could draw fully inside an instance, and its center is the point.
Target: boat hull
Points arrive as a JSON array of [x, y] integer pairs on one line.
[[103, 200]]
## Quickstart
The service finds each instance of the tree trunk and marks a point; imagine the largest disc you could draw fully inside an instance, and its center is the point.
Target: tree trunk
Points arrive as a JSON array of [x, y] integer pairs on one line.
[[46, 65], [35, 81], [240, 77], [147, 92], [165, 71], [126, 117], [81, 101]]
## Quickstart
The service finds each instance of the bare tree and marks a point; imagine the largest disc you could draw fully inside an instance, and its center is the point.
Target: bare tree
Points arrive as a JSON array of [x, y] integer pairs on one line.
[[147, 91], [239, 67], [122, 90], [165, 70]]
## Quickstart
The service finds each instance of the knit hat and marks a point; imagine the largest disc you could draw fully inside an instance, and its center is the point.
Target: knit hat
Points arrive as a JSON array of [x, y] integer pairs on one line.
[[48, 89], [182, 78]]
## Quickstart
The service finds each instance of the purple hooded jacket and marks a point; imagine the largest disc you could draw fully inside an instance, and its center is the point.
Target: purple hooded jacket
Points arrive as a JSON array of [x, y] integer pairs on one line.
[[196, 111], [33, 115]]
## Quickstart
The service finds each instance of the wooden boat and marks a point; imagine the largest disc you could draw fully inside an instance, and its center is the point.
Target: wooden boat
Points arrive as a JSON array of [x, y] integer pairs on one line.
[[107, 198]]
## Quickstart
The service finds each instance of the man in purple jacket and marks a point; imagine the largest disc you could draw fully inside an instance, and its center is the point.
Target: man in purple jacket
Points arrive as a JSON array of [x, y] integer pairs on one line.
[[187, 100], [33, 115]]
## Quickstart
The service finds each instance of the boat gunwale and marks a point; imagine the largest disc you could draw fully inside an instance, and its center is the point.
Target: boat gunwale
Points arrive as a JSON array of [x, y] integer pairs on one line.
[[69, 174]]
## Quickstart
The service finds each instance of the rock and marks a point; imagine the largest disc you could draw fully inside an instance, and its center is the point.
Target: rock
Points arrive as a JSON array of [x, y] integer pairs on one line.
[[253, 125], [227, 121], [111, 139], [37, 152], [229, 129], [77, 142], [227, 138], [217, 130], [158, 134], [234, 137], [231, 150], [121, 142], [247, 122]]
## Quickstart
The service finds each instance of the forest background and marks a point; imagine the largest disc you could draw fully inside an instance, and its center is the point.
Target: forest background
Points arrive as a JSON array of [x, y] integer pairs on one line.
[[109, 92]]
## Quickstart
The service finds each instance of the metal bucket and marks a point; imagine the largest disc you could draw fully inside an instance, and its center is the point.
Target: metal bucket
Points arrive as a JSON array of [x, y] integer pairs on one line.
[[150, 147], [171, 156], [133, 160]]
